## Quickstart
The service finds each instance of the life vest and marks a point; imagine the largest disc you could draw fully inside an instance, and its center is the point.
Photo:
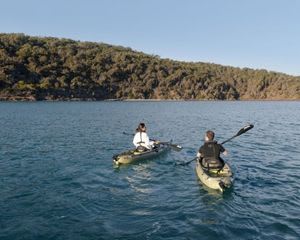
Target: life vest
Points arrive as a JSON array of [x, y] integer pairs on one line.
[[140, 142], [141, 148], [210, 153]]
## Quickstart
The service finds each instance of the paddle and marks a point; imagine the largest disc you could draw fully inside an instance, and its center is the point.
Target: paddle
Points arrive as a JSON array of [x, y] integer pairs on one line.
[[174, 146], [242, 131], [186, 163]]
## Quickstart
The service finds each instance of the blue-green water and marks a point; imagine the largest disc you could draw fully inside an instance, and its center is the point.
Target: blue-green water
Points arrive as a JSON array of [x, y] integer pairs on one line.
[[57, 180]]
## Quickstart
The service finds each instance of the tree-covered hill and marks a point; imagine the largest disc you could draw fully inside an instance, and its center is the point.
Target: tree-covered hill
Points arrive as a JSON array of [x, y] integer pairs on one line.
[[36, 68]]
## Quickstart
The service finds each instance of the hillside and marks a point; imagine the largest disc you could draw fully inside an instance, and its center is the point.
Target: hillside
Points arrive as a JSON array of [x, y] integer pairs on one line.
[[36, 68]]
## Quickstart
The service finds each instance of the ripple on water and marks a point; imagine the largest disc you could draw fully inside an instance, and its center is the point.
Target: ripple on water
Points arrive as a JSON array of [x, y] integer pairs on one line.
[[58, 182]]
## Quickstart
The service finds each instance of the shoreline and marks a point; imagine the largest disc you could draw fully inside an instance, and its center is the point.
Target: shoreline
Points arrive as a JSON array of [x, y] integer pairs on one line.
[[32, 99]]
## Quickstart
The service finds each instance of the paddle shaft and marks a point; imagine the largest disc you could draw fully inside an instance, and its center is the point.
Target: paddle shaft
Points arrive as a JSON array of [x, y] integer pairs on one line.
[[240, 132], [186, 163], [228, 140]]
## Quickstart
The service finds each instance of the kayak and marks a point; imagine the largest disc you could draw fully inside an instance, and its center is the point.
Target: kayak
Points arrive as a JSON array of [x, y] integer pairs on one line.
[[219, 180], [135, 155]]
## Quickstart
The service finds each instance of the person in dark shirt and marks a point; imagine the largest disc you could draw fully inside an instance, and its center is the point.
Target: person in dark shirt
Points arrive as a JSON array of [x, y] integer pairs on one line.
[[209, 152]]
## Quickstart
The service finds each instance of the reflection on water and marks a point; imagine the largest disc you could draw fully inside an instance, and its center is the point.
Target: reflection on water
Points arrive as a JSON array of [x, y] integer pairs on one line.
[[140, 174]]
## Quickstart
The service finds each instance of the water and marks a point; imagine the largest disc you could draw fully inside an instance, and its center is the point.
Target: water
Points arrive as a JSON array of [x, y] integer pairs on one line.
[[57, 180]]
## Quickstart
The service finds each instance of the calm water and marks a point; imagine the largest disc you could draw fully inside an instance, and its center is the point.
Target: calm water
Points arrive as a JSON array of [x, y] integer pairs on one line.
[[57, 180]]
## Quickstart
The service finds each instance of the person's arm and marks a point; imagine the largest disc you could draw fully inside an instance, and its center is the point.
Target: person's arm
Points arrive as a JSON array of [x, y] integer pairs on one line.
[[223, 150], [136, 140], [148, 143], [199, 153]]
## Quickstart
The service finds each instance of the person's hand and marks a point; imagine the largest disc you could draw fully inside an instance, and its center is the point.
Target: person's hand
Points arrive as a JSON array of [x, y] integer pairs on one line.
[[225, 153]]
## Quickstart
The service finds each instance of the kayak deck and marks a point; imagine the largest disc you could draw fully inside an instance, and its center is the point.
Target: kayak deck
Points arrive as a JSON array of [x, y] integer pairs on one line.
[[219, 180], [134, 155]]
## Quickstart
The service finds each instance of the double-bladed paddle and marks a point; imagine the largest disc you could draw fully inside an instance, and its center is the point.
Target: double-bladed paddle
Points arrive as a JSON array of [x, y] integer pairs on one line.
[[174, 146], [242, 131]]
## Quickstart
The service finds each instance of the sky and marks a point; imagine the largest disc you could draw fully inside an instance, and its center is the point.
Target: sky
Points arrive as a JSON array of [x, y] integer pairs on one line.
[[258, 34]]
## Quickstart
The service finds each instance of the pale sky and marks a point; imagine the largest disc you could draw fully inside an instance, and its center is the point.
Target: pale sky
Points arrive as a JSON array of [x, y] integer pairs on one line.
[[259, 34]]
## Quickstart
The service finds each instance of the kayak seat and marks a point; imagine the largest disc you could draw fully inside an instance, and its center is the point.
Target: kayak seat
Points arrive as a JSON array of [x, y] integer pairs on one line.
[[141, 149], [212, 165]]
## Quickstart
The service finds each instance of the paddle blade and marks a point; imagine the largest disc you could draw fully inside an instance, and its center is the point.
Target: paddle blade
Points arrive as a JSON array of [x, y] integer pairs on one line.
[[176, 147], [128, 134], [245, 129]]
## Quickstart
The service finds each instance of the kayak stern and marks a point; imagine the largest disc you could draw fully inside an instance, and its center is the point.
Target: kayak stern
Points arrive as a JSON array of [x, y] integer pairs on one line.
[[221, 180]]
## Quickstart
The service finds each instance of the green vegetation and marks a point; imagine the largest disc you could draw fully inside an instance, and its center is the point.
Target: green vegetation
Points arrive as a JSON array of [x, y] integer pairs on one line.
[[37, 68]]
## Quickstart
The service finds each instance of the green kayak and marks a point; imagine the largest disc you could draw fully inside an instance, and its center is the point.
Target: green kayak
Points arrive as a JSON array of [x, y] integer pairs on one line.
[[218, 180], [135, 155]]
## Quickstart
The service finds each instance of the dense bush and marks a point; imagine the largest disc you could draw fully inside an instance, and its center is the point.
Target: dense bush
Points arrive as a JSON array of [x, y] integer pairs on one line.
[[51, 68]]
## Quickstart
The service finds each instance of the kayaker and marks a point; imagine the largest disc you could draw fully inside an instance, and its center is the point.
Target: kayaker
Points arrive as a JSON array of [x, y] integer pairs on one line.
[[141, 140], [209, 152]]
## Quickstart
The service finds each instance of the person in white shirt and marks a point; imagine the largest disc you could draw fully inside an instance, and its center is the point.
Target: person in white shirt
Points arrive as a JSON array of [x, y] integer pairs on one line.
[[141, 140]]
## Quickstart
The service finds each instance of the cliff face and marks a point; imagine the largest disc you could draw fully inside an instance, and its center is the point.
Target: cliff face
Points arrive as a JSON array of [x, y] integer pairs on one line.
[[35, 68]]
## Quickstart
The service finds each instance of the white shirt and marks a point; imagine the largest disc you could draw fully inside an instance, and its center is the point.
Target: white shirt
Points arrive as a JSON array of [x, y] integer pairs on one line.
[[142, 139]]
